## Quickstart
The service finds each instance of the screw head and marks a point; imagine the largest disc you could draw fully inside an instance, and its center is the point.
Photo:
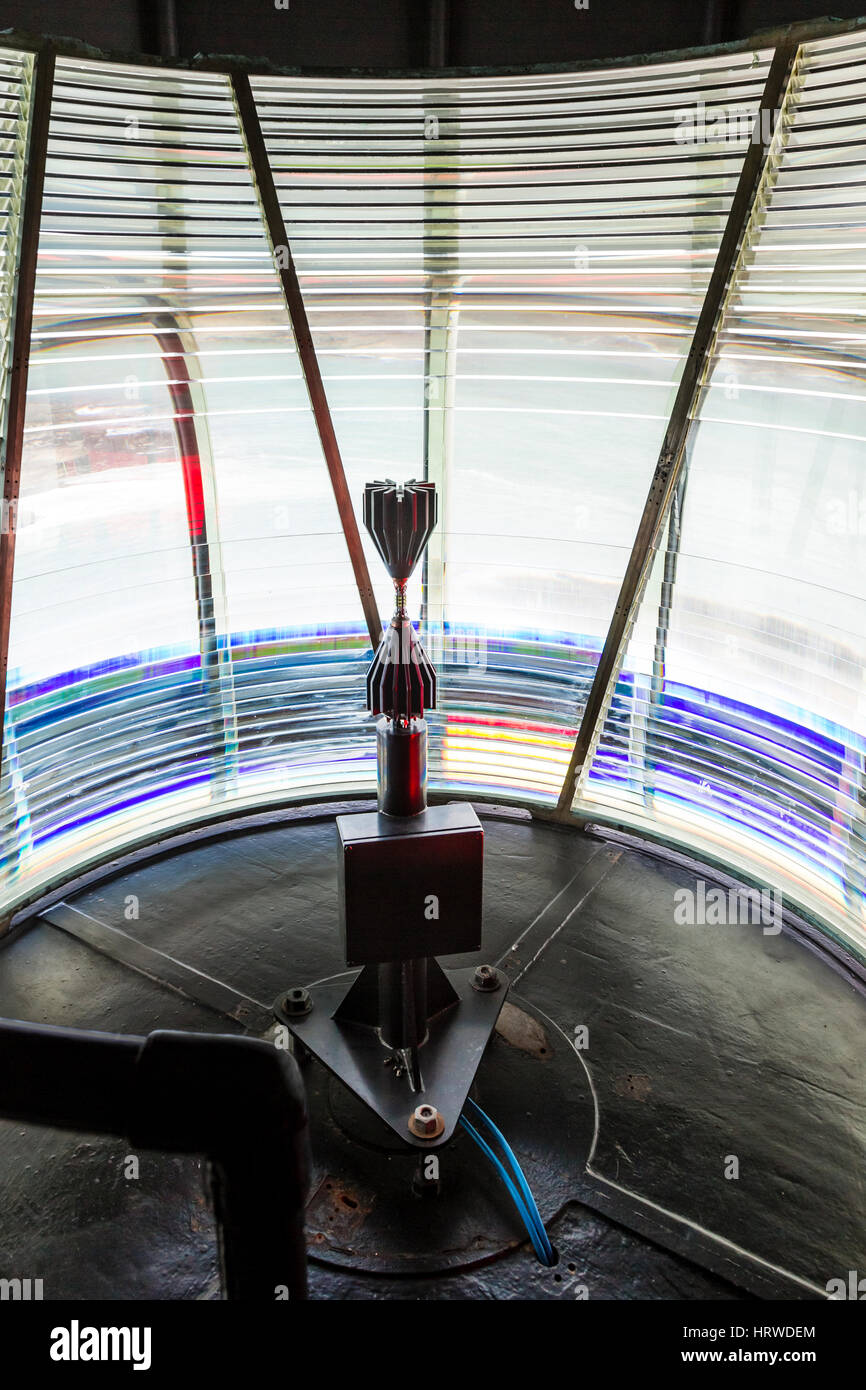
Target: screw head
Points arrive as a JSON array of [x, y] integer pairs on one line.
[[297, 1002], [486, 978], [425, 1122]]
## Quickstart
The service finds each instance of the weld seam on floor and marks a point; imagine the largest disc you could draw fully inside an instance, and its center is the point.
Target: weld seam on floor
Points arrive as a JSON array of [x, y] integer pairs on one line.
[[163, 969]]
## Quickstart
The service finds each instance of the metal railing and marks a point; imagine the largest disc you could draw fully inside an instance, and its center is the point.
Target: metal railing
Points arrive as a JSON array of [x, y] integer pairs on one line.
[[239, 1101]]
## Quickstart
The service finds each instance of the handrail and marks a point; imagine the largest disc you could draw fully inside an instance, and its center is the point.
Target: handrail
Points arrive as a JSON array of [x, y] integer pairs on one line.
[[237, 1100]]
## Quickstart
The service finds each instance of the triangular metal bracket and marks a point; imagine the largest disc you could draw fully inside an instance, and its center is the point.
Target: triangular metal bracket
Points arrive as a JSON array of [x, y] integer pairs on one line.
[[450, 1057]]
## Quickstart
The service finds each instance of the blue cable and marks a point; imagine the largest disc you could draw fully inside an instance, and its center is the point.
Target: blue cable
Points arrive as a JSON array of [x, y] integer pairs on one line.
[[529, 1215], [516, 1169], [513, 1191]]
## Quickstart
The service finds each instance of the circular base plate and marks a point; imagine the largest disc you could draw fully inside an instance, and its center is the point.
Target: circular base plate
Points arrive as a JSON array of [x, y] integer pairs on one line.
[[377, 1205]]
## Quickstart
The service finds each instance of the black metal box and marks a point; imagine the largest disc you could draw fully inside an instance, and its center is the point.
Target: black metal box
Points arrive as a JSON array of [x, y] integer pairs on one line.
[[410, 886]]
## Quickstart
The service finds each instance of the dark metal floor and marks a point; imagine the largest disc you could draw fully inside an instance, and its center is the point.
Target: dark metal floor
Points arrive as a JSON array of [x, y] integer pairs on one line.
[[703, 1043]]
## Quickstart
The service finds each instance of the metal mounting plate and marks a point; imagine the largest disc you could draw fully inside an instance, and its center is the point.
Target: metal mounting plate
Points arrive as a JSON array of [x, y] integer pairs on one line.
[[449, 1059]]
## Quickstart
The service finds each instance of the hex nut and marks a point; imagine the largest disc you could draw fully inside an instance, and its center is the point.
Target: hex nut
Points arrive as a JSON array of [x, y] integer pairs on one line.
[[297, 1002], [485, 979], [425, 1122]]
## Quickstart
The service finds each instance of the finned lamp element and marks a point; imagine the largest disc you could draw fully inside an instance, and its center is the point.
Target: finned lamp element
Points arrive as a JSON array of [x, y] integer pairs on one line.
[[401, 681]]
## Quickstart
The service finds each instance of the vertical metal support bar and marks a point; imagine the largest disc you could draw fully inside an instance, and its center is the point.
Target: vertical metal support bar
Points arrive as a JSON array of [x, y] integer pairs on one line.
[[179, 352], [16, 839], [166, 23], [199, 486], [667, 589], [276, 228], [438, 21], [43, 83], [440, 334], [666, 597], [441, 272], [667, 472]]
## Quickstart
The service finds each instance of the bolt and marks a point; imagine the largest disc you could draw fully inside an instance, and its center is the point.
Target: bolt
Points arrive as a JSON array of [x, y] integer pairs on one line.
[[486, 978], [298, 1002], [426, 1123]]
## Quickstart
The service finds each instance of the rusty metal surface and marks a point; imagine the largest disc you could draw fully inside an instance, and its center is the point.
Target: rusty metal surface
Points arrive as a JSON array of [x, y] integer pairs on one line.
[[367, 1214], [519, 1029]]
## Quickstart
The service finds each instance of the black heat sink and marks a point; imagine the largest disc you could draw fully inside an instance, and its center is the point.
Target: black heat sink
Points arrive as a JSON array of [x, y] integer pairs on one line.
[[401, 681], [400, 518]]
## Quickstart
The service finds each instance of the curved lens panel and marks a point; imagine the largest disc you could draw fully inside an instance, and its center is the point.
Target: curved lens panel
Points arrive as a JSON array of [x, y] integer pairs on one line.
[[502, 276], [185, 633], [739, 718]]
